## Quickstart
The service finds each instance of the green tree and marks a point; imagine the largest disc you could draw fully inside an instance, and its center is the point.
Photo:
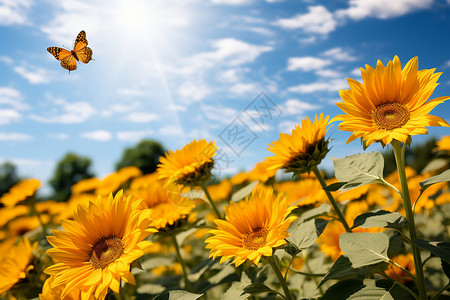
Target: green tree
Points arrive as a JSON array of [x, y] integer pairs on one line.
[[144, 155], [8, 177], [69, 170]]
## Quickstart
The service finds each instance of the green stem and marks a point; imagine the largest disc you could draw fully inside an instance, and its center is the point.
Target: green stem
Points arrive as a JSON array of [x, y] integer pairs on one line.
[[273, 263], [400, 160], [331, 198], [205, 189], [187, 284]]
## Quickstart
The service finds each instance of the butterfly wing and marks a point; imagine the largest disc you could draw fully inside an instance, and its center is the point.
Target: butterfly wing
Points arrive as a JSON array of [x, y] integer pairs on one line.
[[69, 63], [84, 55], [80, 42], [59, 53]]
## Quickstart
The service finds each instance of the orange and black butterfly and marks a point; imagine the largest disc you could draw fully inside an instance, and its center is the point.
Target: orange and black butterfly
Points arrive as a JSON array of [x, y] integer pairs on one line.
[[80, 52]]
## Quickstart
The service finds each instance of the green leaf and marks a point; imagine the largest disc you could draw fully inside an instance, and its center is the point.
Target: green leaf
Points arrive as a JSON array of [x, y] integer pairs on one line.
[[444, 176], [335, 186], [359, 169], [236, 290], [304, 235], [322, 210], [364, 248], [434, 165], [343, 269], [343, 289], [439, 249], [397, 292], [371, 293], [244, 192], [150, 288], [178, 295], [379, 218], [258, 288], [445, 268]]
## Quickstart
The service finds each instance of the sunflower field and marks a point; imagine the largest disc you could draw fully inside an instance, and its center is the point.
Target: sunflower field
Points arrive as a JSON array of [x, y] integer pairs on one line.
[[179, 233]]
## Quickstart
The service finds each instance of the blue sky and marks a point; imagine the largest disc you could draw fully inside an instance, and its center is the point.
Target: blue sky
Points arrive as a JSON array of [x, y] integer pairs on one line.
[[181, 70]]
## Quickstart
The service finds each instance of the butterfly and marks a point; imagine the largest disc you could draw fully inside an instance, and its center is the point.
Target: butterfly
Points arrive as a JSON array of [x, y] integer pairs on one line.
[[80, 52]]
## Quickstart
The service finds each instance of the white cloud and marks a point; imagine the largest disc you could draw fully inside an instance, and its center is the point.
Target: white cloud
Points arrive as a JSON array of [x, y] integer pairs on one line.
[[6, 59], [34, 75], [64, 112], [339, 54], [356, 72], [229, 75], [309, 40], [231, 2], [242, 88], [176, 107], [98, 135], [132, 92], [193, 92], [328, 73], [382, 9], [120, 108], [259, 30], [133, 136], [14, 12], [307, 63], [171, 131], [318, 20], [228, 52], [8, 116], [17, 137], [141, 117], [447, 64], [12, 97], [297, 107], [219, 113], [287, 126], [58, 136], [321, 86]]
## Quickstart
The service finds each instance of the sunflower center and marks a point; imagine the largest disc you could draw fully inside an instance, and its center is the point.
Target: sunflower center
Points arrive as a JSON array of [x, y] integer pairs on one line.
[[105, 251], [256, 239], [390, 116]]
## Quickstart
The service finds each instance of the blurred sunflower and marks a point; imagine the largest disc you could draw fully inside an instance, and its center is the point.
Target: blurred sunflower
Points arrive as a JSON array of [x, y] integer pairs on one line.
[[15, 263], [407, 262], [303, 192], [391, 103], [85, 185], [252, 228], [164, 211], [302, 150], [190, 166], [20, 192], [117, 180], [443, 144], [95, 251], [49, 293]]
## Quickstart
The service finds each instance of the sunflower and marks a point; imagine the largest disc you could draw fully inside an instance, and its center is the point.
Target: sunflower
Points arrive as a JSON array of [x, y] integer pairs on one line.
[[20, 192], [164, 209], [302, 150], [443, 144], [190, 166], [15, 263], [85, 185], [391, 103], [252, 228], [96, 249], [407, 262]]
